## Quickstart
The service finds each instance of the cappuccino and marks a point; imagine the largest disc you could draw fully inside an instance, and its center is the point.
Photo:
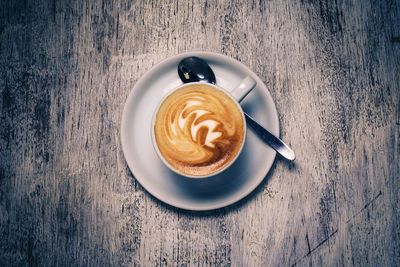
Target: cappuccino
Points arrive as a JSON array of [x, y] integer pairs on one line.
[[199, 129]]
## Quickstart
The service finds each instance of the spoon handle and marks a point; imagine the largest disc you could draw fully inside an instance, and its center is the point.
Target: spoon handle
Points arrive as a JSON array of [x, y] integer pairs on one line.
[[277, 144]]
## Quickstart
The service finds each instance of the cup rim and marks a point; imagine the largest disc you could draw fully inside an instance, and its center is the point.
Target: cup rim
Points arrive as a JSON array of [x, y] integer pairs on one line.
[[155, 145]]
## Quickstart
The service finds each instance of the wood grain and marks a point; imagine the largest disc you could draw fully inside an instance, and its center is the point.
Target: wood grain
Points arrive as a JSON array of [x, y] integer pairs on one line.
[[67, 197]]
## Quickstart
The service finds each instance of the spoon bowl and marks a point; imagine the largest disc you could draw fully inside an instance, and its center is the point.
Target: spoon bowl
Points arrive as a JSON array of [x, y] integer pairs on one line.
[[195, 69]]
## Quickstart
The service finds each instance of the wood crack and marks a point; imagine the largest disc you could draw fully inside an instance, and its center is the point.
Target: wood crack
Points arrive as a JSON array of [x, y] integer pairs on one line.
[[365, 206], [310, 251]]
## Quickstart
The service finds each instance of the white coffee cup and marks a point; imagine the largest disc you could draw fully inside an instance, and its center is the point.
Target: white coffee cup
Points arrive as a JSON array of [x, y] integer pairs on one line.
[[237, 95]]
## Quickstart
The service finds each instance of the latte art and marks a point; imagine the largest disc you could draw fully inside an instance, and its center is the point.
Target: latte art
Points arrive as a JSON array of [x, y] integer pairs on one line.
[[198, 129]]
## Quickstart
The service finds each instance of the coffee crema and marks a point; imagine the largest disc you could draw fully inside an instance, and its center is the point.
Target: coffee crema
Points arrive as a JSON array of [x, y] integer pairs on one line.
[[199, 129]]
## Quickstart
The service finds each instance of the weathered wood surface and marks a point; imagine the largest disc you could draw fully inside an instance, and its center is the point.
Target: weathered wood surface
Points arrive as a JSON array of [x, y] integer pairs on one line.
[[67, 197]]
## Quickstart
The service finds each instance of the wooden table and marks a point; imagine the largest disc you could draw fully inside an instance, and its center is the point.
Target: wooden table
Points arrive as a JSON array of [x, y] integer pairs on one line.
[[67, 197]]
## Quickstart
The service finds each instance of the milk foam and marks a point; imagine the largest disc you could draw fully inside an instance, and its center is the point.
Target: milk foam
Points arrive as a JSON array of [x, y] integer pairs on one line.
[[199, 129]]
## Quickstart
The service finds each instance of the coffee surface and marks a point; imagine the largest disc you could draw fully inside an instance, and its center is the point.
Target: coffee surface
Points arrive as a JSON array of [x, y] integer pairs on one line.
[[199, 129]]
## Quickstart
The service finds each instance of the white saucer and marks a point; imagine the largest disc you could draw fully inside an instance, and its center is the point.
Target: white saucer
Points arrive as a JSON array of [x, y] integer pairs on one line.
[[221, 190]]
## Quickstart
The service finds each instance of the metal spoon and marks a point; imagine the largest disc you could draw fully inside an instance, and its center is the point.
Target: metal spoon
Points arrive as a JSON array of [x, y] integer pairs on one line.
[[194, 69]]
